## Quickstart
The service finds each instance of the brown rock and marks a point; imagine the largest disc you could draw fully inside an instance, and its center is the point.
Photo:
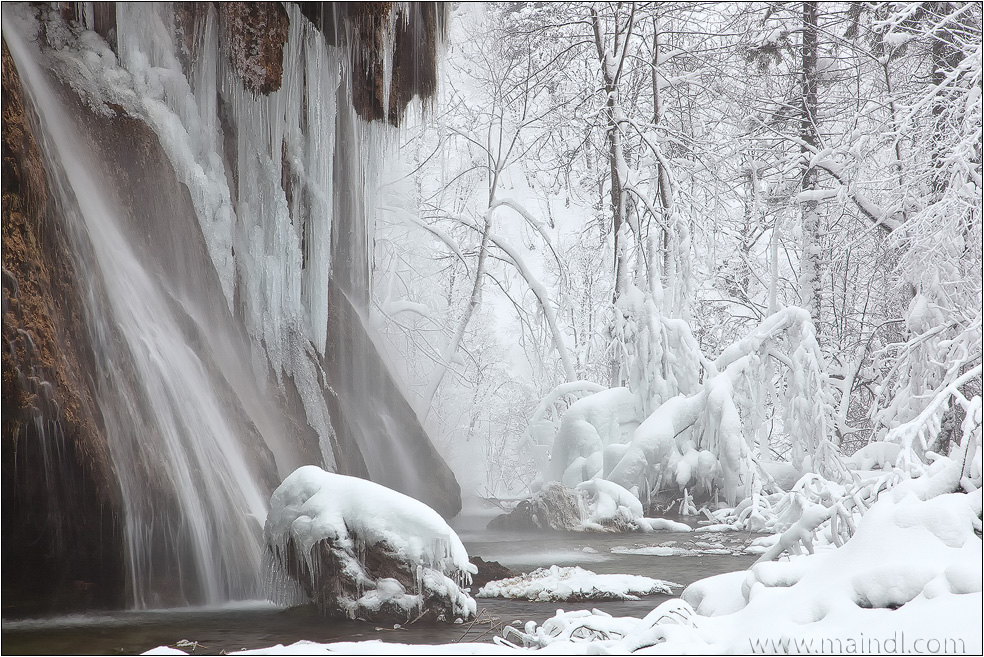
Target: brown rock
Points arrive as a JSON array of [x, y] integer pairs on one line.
[[413, 37], [60, 500], [253, 36], [338, 577], [552, 507], [488, 571]]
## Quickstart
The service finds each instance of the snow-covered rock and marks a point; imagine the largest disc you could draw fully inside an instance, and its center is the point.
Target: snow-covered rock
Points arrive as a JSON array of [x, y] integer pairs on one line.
[[553, 507], [361, 550], [610, 507], [596, 505], [574, 583]]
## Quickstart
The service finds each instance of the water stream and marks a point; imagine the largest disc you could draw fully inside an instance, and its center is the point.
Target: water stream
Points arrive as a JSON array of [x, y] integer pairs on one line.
[[258, 624]]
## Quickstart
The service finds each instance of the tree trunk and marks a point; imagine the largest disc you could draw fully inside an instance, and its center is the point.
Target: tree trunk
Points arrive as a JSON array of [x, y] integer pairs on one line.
[[810, 265]]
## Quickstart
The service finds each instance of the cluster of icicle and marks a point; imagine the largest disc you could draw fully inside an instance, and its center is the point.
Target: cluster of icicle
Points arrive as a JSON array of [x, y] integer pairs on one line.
[[270, 242]]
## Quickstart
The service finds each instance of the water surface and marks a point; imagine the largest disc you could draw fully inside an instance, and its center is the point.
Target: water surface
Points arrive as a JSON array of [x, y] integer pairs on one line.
[[258, 624]]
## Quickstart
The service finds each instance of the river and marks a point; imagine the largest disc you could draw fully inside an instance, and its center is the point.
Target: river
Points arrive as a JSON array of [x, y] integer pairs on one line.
[[255, 624]]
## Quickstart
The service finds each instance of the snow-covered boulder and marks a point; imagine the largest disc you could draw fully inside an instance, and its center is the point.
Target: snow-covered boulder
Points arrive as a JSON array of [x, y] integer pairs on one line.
[[361, 550], [596, 505], [553, 507]]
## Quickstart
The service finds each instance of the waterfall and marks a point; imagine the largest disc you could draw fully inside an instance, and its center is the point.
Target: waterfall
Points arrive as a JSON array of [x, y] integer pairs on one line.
[[209, 311]]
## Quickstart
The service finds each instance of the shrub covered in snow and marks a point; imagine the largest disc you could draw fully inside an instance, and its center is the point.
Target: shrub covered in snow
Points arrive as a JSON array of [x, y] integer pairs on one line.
[[704, 437], [361, 550]]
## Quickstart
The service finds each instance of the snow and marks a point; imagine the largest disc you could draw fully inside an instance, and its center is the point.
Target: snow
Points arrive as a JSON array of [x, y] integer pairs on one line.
[[664, 525], [908, 581], [311, 505], [609, 503], [573, 584], [878, 454], [701, 544], [589, 425]]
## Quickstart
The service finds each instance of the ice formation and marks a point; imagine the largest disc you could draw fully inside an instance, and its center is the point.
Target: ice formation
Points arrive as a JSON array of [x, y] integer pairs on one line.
[[361, 550], [270, 181]]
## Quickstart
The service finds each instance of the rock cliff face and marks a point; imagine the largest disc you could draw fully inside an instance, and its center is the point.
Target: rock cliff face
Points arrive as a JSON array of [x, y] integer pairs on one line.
[[253, 36], [64, 522], [401, 37], [61, 536]]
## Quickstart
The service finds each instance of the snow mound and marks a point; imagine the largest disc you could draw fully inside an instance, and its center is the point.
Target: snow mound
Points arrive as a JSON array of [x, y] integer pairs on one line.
[[609, 506], [721, 544], [664, 525], [574, 583], [361, 550]]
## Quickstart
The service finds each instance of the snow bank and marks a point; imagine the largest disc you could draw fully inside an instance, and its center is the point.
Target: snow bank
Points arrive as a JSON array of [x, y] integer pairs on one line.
[[701, 543], [362, 550], [908, 581], [374, 647], [572, 584], [663, 525]]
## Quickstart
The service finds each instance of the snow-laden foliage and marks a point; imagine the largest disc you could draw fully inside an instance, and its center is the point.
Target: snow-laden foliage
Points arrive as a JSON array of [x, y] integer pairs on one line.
[[336, 536], [701, 442], [913, 565], [626, 191]]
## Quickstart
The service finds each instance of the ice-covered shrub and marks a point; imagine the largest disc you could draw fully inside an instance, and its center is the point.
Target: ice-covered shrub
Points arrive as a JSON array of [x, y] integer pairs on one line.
[[361, 550]]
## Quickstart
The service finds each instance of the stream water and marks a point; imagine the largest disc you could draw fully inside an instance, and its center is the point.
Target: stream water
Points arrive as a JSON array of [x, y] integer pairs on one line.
[[259, 624]]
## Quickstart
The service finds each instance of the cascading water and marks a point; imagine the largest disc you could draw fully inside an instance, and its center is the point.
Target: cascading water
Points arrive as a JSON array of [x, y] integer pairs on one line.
[[248, 291], [159, 398]]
